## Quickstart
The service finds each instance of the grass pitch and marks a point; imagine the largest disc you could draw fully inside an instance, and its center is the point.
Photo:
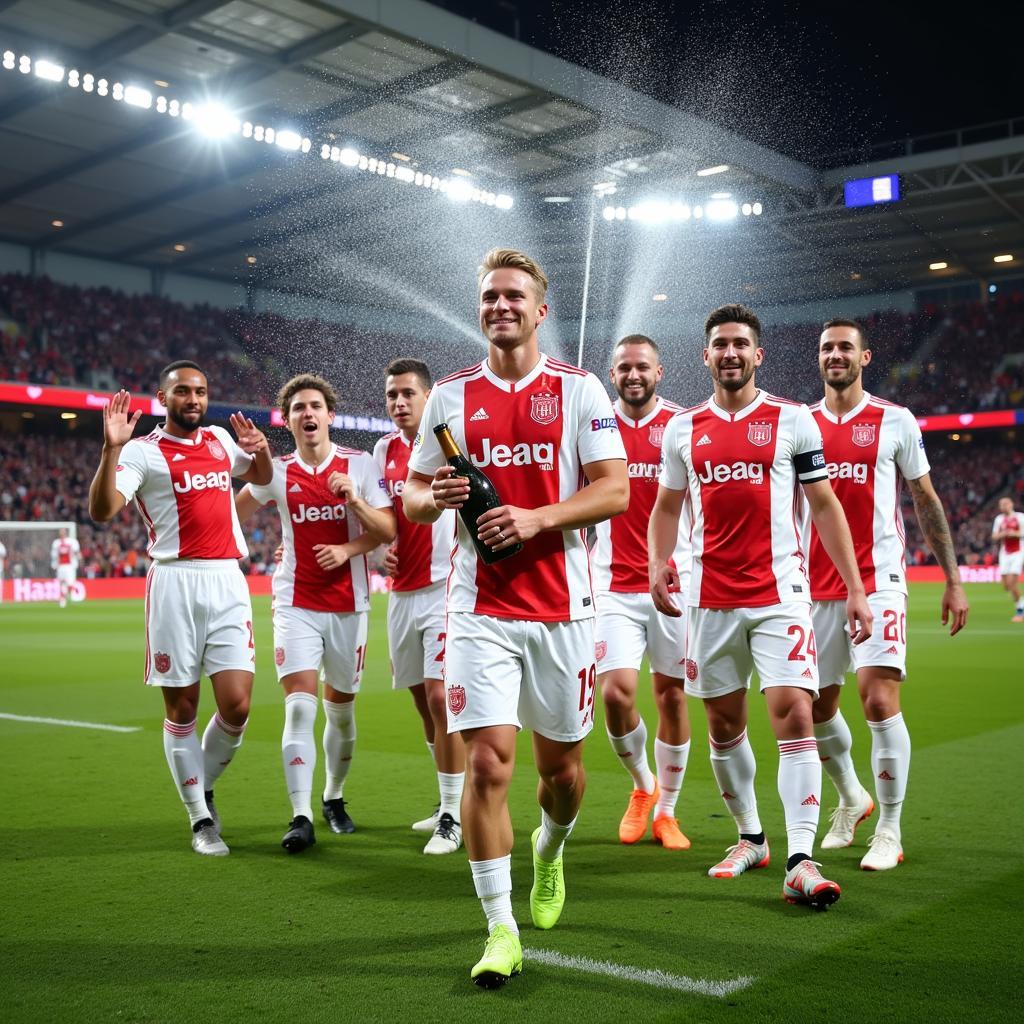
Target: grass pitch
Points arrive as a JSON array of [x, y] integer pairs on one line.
[[108, 915]]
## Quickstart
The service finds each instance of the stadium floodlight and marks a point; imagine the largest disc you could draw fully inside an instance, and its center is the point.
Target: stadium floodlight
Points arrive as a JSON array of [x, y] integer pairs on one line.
[[135, 96], [757, 209], [721, 210], [49, 71], [213, 120], [660, 297], [717, 169], [9, 60], [459, 190], [1004, 258], [289, 140], [940, 265], [503, 202]]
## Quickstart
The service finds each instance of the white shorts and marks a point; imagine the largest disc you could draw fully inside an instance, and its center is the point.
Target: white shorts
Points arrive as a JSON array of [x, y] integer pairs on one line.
[[1011, 565], [540, 675], [724, 646], [628, 625], [416, 632], [885, 648], [198, 621], [66, 574], [333, 642]]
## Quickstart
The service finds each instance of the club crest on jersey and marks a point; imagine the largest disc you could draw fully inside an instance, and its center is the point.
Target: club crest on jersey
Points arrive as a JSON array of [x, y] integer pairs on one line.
[[162, 662], [279, 656], [216, 449], [691, 669], [456, 699], [759, 433], [600, 650], [544, 407], [656, 434], [864, 434]]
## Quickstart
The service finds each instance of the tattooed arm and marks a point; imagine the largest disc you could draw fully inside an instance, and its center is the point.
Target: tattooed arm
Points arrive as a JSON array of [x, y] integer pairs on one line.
[[932, 519]]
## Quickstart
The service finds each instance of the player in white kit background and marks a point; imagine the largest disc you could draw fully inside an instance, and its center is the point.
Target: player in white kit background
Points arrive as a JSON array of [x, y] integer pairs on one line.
[[1007, 531], [65, 554], [739, 462], [871, 447], [628, 624], [520, 644], [419, 562], [334, 511], [198, 612], [3, 566]]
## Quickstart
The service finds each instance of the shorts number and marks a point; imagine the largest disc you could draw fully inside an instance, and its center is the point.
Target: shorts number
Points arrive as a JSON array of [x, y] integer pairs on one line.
[[895, 625], [440, 640], [248, 626], [360, 658], [588, 680], [804, 643]]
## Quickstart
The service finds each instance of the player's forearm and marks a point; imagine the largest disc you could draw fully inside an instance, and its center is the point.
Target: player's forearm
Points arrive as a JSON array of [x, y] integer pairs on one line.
[[932, 519], [593, 504], [418, 502], [262, 467], [362, 545], [379, 522], [662, 532], [834, 531], [105, 501]]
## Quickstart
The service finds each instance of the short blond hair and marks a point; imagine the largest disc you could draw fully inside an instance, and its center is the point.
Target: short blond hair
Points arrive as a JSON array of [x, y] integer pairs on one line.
[[498, 258]]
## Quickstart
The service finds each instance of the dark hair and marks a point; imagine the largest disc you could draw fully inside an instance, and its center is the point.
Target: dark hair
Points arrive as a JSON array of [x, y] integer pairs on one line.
[[305, 382], [843, 322], [733, 314], [638, 339], [178, 364], [399, 366]]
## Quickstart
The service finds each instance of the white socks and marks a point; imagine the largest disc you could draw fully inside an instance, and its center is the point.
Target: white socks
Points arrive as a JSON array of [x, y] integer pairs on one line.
[[800, 791], [834, 746], [632, 751], [552, 836], [493, 882], [220, 741], [890, 764], [185, 760], [339, 742], [732, 762], [671, 763], [298, 751], [450, 787]]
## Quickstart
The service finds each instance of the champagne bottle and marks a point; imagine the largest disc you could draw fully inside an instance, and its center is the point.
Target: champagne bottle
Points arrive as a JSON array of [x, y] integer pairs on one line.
[[482, 495]]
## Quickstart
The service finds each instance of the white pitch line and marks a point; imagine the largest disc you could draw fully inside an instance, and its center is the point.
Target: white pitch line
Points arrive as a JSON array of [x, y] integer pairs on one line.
[[68, 722], [659, 979]]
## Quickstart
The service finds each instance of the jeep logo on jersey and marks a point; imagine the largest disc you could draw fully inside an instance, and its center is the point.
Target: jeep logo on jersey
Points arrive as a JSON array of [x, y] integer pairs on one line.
[[318, 513], [656, 434], [759, 433], [864, 434], [216, 449], [456, 699], [544, 407], [522, 454], [203, 482], [721, 474], [855, 471]]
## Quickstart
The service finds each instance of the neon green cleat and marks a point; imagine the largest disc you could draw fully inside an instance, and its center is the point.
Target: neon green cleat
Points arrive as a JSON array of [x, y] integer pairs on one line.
[[503, 958], [547, 897]]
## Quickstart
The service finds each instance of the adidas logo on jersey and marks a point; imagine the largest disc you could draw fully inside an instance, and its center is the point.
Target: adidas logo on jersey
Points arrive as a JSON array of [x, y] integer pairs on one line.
[[391, 464], [855, 471], [178, 458], [480, 414], [704, 440], [541, 454], [893, 650], [203, 482], [295, 489], [723, 473], [807, 674]]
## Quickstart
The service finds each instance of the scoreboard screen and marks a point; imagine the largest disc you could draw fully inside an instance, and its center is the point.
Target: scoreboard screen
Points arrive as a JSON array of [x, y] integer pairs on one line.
[[872, 191]]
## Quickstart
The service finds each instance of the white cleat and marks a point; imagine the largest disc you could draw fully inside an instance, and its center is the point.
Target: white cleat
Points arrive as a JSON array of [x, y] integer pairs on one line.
[[744, 856], [884, 854], [447, 837], [427, 824], [206, 841], [844, 821]]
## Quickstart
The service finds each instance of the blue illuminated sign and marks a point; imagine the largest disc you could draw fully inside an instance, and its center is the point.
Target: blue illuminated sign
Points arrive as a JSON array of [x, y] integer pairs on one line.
[[872, 191]]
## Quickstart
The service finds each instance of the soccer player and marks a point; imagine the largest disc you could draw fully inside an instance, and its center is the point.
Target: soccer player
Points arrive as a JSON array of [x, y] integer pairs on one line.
[[1006, 532], [198, 611], [419, 563], [520, 644], [628, 623], [3, 564], [736, 460], [334, 511], [64, 557], [870, 446]]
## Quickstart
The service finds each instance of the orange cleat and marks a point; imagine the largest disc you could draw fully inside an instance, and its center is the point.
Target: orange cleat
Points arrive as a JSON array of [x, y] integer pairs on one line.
[[666, 831], [634, 821]]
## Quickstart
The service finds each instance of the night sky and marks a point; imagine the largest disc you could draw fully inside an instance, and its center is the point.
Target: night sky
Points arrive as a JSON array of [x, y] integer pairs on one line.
[[819, 81]]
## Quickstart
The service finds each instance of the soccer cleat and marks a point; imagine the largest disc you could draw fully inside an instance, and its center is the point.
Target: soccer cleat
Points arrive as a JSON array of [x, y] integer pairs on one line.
[[502, 959], [299, 835], [205, 839], [447, 837], [884, 852], [844, 821], [211, 807], [666, 831], [805, 884], [634, 821], [547, 897], [1019, 617], [337, 817], [744, 856], [427, 824]]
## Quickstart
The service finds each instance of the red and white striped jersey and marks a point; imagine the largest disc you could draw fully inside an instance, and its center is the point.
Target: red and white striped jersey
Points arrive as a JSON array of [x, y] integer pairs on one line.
[[620, 557], [182, 488], [65, 552], [1008, 521], [741, 473], [868, 453], [532, 439], [424, 549], [311, 514]]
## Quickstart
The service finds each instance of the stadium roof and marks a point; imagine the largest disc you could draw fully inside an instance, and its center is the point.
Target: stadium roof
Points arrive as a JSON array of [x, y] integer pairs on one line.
[[405, 79]]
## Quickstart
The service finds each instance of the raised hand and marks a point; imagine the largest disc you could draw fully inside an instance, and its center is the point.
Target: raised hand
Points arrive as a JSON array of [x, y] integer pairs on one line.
[[250, 438], [118, 426]]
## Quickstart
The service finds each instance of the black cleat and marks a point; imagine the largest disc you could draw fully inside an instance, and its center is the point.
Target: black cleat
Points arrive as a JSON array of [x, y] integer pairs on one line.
[[299, 835], [211, 807], [337, 817]]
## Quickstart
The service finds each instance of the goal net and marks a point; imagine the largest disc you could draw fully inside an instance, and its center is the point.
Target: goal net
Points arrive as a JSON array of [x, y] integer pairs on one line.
[[28, 548]]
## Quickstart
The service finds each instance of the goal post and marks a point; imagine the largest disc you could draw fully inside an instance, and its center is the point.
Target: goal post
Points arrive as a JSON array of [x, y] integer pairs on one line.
[[27, 546]]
